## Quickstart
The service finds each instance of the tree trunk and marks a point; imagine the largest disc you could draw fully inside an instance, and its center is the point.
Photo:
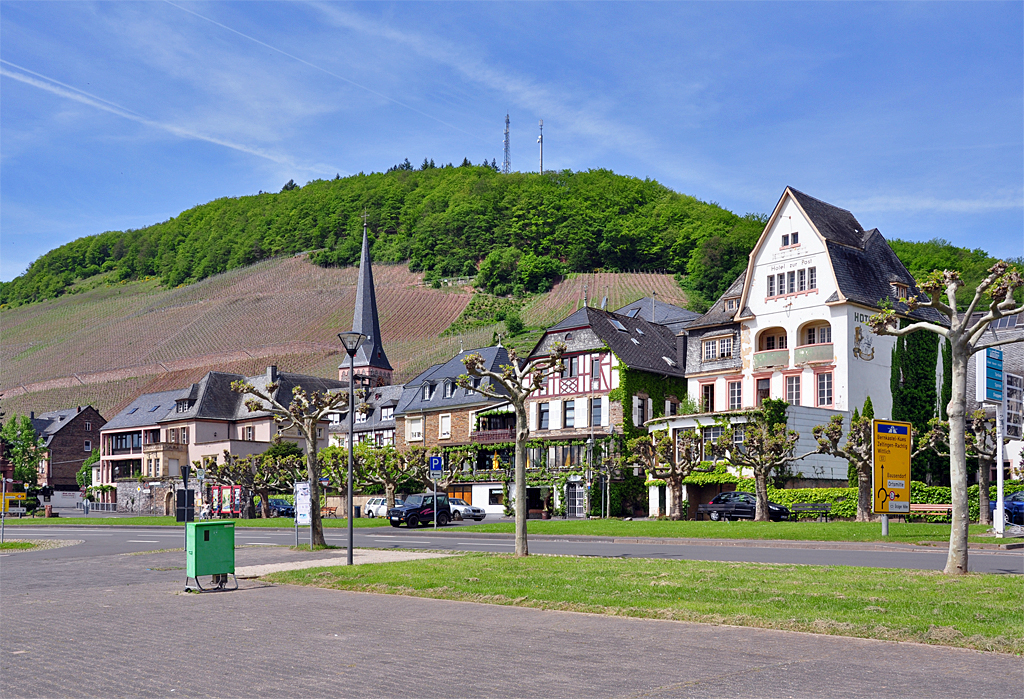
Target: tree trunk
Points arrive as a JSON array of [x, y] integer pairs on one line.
[[761, 486], [248, 506], [864, 492], [313, 471], [389, 491], [956, 560], [264, 494], [984, 482], [522, 434], [676, 484]]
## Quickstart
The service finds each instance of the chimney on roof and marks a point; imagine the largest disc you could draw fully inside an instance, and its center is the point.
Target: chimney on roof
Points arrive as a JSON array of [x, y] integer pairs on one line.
[[32, 415], [79, 408], [272, 373]]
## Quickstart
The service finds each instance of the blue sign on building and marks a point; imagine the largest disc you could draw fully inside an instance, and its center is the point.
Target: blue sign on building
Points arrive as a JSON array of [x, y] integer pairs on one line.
[[993, 375]]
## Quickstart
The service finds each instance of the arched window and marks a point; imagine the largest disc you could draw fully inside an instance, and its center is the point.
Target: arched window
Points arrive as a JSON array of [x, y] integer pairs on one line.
[[772, 339], [817, 333]]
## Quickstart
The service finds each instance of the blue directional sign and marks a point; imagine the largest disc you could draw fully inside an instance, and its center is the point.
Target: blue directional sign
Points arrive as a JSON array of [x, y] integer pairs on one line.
[[436, 468], [993, 375]]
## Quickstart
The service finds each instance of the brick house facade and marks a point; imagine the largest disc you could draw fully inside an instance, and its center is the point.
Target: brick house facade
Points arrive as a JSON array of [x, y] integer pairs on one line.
[[70, 436]]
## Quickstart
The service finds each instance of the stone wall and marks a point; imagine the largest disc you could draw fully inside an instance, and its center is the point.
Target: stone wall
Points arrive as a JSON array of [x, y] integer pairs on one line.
[[148, 497]]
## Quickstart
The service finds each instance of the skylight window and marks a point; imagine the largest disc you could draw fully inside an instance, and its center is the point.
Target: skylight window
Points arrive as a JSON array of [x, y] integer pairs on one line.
[[154, 408], [617, 325], [639, 331], [670, 362], [635, 341], [633, 311], [132, 410]]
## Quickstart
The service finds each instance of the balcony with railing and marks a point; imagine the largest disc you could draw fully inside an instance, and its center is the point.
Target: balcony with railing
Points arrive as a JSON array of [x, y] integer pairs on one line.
[[494, 436], [809, 354], [771, 358], [165, 448]]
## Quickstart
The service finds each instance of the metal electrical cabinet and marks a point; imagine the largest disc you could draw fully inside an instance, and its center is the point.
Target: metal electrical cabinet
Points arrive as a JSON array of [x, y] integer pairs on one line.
[[210, 550]]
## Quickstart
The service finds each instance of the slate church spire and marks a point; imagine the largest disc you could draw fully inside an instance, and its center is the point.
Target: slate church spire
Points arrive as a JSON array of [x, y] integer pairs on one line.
[[370, 359]]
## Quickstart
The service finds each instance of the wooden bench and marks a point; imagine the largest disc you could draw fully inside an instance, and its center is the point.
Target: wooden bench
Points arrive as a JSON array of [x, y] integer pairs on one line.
[[822, 508], [702, 511], [925, 510], [328, 512]]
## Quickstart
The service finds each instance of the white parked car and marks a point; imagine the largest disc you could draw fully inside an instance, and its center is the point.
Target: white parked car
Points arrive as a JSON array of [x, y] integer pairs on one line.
[[377, 507], [463, 510]]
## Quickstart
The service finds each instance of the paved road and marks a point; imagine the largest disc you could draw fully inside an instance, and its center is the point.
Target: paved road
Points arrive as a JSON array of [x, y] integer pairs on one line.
[[103, 540], [119, 626]]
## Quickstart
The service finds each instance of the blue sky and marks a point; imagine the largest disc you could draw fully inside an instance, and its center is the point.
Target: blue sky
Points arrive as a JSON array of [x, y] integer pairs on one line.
[[116, 115]]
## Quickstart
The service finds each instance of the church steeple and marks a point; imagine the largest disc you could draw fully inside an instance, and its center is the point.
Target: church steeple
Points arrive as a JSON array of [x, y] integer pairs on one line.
[[370, 359]]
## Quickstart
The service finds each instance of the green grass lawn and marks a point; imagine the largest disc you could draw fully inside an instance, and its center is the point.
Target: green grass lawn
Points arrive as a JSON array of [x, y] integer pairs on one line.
[[913, 532], [17, 545], [330, 523], [979, 611]]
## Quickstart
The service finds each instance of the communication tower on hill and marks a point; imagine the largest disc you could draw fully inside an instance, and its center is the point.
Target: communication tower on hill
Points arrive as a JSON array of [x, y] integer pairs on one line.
[[506, 165]]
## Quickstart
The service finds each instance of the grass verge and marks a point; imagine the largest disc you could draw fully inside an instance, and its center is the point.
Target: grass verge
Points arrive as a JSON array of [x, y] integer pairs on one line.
[[169, 522], [901, 532], [16, 545], [980, 611]]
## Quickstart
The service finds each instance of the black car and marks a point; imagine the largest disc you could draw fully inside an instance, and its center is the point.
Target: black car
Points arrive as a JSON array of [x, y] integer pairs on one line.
[[281, 508], [742, 505], [419, 509]]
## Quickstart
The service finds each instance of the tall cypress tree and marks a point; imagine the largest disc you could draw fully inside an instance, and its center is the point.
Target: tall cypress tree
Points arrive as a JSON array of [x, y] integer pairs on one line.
[[914, 398]]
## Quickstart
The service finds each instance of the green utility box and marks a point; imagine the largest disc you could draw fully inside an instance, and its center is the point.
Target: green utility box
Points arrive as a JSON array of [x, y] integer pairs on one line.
[[209, 548]]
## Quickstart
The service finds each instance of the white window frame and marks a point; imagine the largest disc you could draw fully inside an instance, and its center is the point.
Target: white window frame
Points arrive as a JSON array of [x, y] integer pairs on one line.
[[88, 445], [801, 280], [793, 389], [824, 387], [812, 278], [710, 350], [735, 395], [443, 433], [771, 285], [414, 427]]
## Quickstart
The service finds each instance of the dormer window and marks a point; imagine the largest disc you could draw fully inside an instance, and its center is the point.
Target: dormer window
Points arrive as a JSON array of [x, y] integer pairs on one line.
[[182, 406], [899, 291], [449, 389], [387, 414], [428, 391], [732, 304]]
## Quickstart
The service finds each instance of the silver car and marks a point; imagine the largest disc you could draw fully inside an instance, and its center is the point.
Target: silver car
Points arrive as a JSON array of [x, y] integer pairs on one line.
[[463, 510]]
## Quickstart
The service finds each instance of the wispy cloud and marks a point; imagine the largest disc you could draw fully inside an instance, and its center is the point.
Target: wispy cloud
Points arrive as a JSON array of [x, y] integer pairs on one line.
[[549, 101], [53, 86], [917, 204], [322, 69]]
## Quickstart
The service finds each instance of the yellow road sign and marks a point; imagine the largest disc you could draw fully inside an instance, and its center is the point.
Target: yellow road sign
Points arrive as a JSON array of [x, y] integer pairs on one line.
[[891, 448], [11, 496]]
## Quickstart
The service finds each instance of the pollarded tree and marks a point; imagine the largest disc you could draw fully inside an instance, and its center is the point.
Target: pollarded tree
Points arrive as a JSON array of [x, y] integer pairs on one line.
[[767, 446], [304, 412], [666, 461], [515, 383], [965, 333], [233, 470], [980, 442], [385, 466]]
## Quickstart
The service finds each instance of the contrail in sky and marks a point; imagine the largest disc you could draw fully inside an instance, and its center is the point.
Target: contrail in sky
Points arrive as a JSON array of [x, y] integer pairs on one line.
[[73, 93]]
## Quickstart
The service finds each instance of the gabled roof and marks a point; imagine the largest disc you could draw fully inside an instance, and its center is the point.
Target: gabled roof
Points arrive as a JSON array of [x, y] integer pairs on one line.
[[650, 309], [717, 314], [834, 224], [48, 424], [412, 397], [864, 265], [635, 341]]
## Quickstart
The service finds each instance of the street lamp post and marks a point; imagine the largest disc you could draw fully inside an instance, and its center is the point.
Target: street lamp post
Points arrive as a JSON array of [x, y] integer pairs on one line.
[[351, 340]]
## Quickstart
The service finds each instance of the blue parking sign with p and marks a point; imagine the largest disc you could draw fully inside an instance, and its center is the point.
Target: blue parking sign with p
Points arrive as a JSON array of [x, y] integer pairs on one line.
[[436, 467]]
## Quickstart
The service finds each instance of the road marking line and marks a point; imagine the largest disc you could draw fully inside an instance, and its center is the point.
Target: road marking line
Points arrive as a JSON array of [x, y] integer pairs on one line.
[[142, 541], [479, 543]]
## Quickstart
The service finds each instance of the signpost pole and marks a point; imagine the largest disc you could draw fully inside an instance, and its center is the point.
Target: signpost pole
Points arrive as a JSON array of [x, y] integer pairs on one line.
[[890, 469], [885, 525], [1000, 518], [3, 511]]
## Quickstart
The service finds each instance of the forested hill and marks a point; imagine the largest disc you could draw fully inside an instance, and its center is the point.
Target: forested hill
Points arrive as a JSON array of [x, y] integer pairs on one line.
[[515, 233], [443, 221]]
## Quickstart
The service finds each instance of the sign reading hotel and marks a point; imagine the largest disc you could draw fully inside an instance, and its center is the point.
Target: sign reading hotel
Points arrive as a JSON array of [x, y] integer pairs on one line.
[[891, 449]]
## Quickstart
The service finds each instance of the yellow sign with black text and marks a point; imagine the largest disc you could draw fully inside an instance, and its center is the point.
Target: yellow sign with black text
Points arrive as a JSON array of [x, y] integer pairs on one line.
[[891, 446]]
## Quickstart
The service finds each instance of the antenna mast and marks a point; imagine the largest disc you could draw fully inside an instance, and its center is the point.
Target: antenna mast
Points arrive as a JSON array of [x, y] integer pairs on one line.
[[540, 140], [506, 165]]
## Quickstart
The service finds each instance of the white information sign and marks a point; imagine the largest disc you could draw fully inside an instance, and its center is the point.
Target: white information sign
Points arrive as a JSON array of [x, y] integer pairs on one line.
[[302, 504]]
